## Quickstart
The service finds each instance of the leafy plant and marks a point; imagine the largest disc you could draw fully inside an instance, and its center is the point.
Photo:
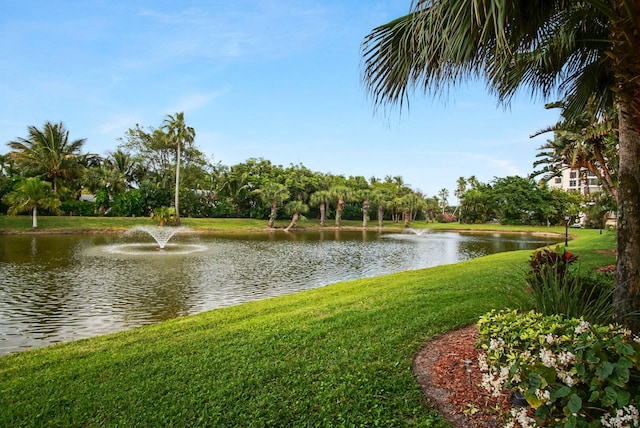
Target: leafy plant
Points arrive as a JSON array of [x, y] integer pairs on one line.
[[166, 216], [556, 288], [572, 373], [544, 260]]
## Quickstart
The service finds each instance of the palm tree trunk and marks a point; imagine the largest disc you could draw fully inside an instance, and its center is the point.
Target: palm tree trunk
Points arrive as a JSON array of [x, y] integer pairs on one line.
[[34, 217], [627, 293], [176, 196], [365, 213], [323, 214], [625, 49], [294, 220], [380, 215], [339, 209], [272, 216]]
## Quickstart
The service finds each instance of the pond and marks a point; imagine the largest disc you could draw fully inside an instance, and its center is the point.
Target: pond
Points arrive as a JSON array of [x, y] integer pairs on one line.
[[57, 288]]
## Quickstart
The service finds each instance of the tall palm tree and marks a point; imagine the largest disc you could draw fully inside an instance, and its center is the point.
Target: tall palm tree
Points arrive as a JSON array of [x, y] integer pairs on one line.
[[380, 196], [443, 195], [582, 49], [179, 134], [274, 194], [342, 194], [320, 199], [48, 153], [28, 195]]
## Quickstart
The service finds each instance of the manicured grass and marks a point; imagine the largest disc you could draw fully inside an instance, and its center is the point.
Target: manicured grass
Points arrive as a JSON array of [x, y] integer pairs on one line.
[[336, 356], [22, 223]]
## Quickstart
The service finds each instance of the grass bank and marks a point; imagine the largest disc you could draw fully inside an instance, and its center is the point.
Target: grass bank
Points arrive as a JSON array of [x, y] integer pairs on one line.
[[336, 356], [61, 224]]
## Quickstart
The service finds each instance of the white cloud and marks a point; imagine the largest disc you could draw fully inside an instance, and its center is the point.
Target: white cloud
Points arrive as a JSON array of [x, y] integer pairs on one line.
[[195, 101]]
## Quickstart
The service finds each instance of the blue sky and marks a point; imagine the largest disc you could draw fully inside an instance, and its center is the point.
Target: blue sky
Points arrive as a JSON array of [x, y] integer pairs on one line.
[[272, 79]]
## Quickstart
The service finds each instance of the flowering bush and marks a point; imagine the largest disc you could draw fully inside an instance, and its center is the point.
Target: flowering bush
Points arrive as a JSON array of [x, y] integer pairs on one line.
[[446, 218], [557, 288], [545, 261], [572, 373]]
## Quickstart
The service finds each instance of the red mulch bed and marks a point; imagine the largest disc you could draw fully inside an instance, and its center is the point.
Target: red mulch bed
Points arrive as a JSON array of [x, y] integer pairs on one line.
[[441, 371]]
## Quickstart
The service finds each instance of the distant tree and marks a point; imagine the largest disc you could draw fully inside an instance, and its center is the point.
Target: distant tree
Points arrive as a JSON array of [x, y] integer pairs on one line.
[[341, 194], [320, 199], [443, 196], [461, 187], [295, 208], [30, 194], [48, 153], [380, 196], [179, 134], [273, 194]]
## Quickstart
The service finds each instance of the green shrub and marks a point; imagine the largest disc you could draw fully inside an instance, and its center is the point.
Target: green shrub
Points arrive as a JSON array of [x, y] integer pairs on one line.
[[556, 287], [572, 373], [81, 208]]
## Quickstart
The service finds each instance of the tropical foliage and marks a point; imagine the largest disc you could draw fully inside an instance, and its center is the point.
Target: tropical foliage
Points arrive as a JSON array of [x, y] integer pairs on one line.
[[28, 195], [571, 372], [517, 200]]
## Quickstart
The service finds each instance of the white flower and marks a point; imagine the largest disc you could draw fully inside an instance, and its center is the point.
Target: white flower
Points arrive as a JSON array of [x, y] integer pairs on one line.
[[551, 339], [482, 363], [496, 344], [521, 417], [582, 327], [547, 357], [543, 395], [566, 358], [566, 378], [493, 382], [627, 417]]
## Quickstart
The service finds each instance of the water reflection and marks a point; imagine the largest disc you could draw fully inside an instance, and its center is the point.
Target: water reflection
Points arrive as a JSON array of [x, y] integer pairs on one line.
[[64, 287]]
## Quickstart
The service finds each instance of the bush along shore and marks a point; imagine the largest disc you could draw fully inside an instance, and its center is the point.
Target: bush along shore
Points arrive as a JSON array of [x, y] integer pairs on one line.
[[336, 356]]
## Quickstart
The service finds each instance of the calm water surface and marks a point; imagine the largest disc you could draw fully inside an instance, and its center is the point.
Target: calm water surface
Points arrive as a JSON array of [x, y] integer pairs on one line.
[[57, 288]]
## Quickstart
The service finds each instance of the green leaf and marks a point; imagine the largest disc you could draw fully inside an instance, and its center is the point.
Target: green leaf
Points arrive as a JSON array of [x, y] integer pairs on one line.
[[624, 348], [609, 397], [623, 398], [575, 403], [592, 358], [563, 391], [604, 370]]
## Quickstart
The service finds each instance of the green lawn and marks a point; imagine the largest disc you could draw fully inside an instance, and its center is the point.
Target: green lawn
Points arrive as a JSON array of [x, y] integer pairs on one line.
[[336, 356], [22, 223]]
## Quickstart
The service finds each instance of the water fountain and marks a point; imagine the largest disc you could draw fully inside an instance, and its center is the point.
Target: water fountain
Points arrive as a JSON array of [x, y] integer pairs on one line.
[[161, 234], [418, 232]]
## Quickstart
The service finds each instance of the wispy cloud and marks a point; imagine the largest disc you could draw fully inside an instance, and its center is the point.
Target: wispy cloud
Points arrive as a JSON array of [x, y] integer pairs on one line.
[[195, 101]]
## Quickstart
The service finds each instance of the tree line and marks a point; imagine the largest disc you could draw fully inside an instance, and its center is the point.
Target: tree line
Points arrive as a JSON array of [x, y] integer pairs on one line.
[[153, 169]]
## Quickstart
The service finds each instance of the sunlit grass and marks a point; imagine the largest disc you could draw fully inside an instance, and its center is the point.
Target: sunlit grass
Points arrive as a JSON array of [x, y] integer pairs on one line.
[[335, 356]]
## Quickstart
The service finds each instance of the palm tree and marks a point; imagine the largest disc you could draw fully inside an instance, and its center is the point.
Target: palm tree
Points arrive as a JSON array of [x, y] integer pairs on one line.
[[583, 49], [443, 194], [294, 209], [342, 194], [581, 143], [124, 164], [30, 194], [273, 193], [380, 197], [364, 195], [179, 134], [320, 199], [48, 153], [461, 187]]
